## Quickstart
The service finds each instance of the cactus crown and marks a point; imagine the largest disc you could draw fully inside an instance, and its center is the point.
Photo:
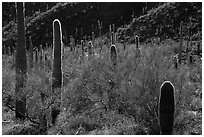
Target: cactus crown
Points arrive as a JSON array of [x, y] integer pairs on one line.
[[57, 24], [167, 89]]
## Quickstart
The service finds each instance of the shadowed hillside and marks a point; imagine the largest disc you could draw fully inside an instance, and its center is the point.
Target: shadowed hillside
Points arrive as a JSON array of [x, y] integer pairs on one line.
[[83, 16]]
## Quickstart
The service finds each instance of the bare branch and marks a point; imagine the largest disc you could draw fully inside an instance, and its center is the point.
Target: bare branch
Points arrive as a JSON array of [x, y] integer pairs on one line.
[[23, 115]]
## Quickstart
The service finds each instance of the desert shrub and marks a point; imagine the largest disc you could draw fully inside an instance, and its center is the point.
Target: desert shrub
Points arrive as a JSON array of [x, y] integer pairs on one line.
[[8, 83], [102, 100]]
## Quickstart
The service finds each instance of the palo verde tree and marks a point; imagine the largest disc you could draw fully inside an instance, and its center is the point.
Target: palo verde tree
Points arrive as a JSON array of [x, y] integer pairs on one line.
[[21, 68]]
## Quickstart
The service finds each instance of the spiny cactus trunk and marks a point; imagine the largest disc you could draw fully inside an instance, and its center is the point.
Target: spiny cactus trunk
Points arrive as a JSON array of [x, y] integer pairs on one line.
[[166, 108], [198, 50], [90, 49], [82, 48], [113, 38], [137, 47], [3, 50], [181, 42], [113, 60], [113, 55], [137, 42], [41, 56], [72, 44], [57, 42], [57, 64], [116, 37], [110, 35], [93, 36], [99, 28], [113, 28], [175, 59], [21, 68], [31, 52], [190, 59], [14, 56], [36, 57]]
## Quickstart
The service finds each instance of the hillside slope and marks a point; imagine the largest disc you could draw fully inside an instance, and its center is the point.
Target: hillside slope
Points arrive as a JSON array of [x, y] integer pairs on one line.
[[79, 19], [166, 19], [74, 15]]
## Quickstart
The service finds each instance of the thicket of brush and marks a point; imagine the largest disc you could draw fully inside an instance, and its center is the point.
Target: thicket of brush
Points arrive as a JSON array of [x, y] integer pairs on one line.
[[100, 99]]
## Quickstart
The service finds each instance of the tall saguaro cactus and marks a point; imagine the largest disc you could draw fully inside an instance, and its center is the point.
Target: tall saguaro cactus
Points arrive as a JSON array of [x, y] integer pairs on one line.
[[166, 108], [57, 54], [57, 65], [21, 68], [181, 41]]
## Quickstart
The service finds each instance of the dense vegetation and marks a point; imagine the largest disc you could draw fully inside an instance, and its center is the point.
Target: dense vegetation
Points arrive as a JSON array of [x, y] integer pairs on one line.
[[101, 94]]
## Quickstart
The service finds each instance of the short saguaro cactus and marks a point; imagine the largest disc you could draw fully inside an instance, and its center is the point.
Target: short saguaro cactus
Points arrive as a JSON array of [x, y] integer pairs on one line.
[[113, 55], [90, 48], [181, 41], [166, 108]]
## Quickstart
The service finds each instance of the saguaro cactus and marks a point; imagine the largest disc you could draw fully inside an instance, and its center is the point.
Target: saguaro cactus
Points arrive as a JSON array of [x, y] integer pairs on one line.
[[36, 56], [82, 48], [72, 43], [113, 55], [110, 35], [31, 52], [190, 59], [116, 37], [137, 41], [113, 28], [166, 108], [57, 66], [21, 68], [181, 41], [93, 37], [14, 55], [99, 27], [113, 38], [90, 49], [175, 60], [137, 46], [199, 44], [57, 43], [41, 55]]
